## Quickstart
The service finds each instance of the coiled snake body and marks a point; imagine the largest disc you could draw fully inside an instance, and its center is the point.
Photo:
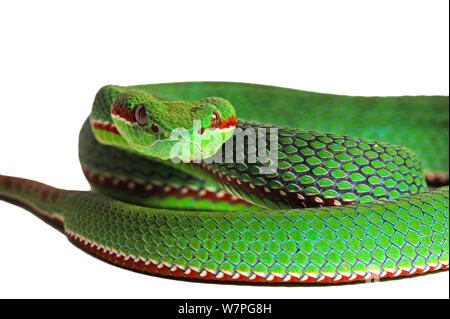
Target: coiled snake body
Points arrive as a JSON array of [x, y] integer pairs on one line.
[[334, 208]]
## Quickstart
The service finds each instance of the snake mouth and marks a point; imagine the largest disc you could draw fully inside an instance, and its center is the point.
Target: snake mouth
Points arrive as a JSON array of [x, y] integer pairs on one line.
[[111, 128], [185, 140], [197, 152]]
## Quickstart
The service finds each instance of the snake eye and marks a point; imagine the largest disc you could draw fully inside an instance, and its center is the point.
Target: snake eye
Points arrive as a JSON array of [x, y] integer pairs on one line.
[[155, 128], [215, 119], [141, 115]]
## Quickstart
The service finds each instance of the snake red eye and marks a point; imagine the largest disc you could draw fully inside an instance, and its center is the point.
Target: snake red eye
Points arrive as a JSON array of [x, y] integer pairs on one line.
[[141, 115], [155, 128], [215, 119]]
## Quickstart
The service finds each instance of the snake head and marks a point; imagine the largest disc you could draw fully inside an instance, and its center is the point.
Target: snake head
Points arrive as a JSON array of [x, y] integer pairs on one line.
[[173, 129]]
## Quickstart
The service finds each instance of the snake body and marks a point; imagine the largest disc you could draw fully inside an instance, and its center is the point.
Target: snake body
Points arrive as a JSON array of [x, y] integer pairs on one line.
[[338, 207]]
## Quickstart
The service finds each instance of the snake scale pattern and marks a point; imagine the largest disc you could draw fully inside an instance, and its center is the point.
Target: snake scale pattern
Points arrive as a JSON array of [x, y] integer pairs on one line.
[[344, 202]]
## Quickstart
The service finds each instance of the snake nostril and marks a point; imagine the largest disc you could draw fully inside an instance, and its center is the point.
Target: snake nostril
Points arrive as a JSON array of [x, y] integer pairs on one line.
[[155, 128]]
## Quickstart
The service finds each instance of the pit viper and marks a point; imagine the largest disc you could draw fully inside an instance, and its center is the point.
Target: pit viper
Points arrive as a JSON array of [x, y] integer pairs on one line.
[[249, 183]]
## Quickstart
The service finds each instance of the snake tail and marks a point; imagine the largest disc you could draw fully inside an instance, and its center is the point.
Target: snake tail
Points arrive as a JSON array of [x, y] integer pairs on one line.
[[38, 198], [153, 241]]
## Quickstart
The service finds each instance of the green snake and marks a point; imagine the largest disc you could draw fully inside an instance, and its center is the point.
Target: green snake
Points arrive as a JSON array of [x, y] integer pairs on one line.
[[190, 181]]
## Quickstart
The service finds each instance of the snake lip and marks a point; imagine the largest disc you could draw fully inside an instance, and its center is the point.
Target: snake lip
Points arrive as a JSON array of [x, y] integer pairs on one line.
[[182, 140]]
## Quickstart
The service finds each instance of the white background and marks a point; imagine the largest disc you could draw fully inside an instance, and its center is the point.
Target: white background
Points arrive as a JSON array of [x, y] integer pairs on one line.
[[54, 56]]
